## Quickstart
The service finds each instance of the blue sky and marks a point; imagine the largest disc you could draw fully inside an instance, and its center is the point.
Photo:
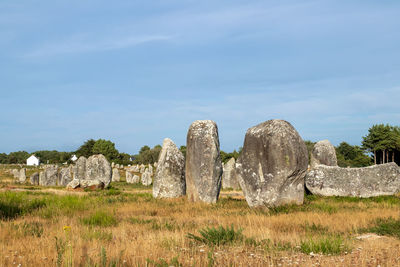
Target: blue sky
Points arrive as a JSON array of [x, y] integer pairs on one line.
[[135, 72]]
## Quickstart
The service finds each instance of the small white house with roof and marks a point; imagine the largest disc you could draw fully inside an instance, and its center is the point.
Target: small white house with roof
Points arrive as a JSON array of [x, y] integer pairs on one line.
[[74, 158], [33, 161]]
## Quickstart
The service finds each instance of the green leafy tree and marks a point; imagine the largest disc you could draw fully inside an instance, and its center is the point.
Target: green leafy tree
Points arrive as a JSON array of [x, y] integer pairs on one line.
[[19, 157], [351, 156], [107, 148], [383, 141], [86, 149], [147, 155]]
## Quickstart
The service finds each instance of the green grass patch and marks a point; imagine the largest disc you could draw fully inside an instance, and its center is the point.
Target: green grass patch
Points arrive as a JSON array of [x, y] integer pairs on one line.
[[99, 235], [218, 236], [328, 245], [13, 205], [100, 218], [385, 226]]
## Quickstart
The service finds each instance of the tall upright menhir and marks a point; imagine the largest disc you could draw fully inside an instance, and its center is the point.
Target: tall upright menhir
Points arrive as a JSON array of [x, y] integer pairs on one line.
[[203, 162], [272, 165]]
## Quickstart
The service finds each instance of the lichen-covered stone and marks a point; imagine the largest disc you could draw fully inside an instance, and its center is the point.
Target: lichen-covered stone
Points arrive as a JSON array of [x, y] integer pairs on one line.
[[323, 153], [98, 168], [229, 177], [146, 178], [272, 165], [65, 176], [377, 180], [79, 169], [115, 175], [34, 179], [49, 176], [169, 179], [203, 162], [22, 175]]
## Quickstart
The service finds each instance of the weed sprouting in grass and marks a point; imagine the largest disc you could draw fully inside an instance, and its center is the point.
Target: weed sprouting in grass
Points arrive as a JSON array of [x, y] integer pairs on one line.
[[385, 226], [100, 218], [60, 248], [218, 236], [32, 228], [328, 245]]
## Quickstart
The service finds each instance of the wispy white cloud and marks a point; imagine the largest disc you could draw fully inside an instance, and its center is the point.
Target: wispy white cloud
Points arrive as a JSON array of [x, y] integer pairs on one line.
[[80, 44]]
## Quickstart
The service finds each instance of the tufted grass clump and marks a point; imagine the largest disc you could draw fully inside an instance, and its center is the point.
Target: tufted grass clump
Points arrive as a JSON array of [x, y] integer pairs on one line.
[[100, 218], [328, 245], [385, 226], [218, 236], [13, 205]]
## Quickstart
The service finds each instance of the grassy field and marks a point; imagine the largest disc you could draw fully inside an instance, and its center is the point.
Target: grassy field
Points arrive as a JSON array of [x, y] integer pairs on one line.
[[126, 226]]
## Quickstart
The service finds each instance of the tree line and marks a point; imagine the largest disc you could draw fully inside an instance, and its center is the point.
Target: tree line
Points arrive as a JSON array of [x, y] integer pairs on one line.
[[380, 145]]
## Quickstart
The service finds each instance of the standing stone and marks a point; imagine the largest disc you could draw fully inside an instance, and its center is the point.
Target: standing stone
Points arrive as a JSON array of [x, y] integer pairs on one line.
[[377, 180], [229, 178], [49, 176], [115, 175], [155, 164], [98, 168], [34, 179], [151, 169], [112, 165], [15, 173], [128, 177], [22, 175], [323, 153], [146, 179], [169, 179], [272, 165], [203, 162], [79, 170], [116, 166], [65, 176], [122, 166], [135, 179], [142, 168]]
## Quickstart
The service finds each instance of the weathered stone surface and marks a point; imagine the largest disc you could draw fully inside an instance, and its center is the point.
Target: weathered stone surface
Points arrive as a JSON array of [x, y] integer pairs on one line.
[[75, 183], [203, 162], [34, 179], [229, 178], [15, 173], [150, 169], [135, 179], [22, 175], [49, 176], [79, 170], [377, 180], [92, 184], [115, 175], [169, 179], [112, 165], [142, 168], [146, 179], [323, 153], [116, 166], [98, 168], [65, 176], [131, 178], [272, 165]]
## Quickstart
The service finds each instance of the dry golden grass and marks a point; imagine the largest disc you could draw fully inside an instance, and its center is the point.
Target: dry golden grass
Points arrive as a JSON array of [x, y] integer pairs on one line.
[[149, 230]]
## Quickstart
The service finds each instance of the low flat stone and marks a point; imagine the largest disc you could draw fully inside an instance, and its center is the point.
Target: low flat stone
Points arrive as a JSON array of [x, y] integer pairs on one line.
[[377, 180]]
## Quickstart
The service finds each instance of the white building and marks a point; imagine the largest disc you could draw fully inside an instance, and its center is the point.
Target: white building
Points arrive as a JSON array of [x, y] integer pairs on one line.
[[74, 158], [32, 161]]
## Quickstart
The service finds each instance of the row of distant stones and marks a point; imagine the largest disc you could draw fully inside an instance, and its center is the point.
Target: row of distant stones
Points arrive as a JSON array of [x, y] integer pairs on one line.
[[272, 169]]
